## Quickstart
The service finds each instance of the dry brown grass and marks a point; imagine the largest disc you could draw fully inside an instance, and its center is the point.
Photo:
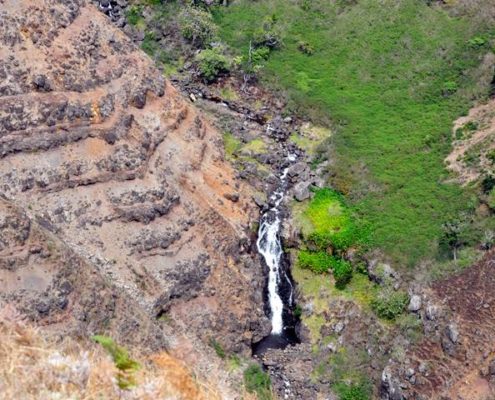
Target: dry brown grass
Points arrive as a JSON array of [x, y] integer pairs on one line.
[[34, 367]]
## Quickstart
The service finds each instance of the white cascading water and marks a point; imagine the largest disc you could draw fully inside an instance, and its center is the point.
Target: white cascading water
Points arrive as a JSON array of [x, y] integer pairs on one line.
[[270, 247]]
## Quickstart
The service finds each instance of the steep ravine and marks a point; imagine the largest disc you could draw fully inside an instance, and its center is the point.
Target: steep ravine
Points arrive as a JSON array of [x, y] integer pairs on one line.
[[280, 174]]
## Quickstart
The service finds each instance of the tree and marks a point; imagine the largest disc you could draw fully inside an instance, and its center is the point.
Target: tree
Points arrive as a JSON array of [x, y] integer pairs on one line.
[[197, 26], [452, 231]]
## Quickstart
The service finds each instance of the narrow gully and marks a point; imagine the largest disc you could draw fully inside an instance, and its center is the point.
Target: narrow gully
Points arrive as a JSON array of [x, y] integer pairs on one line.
[[279, 295]]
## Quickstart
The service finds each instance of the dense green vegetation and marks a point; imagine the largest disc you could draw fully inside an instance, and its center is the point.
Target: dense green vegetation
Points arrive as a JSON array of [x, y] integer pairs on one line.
[[356, 391], [330, 229], [257, 381], [332, 222], [391, 76], [321, 261], [389, 304]]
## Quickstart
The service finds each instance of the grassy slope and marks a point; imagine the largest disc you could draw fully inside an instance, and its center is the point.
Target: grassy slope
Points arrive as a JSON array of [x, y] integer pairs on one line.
[[378, 71]]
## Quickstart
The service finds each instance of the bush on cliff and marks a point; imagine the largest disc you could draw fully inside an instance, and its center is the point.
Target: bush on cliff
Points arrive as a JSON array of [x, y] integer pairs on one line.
[[257, 381], [390, 304], [212, 63]]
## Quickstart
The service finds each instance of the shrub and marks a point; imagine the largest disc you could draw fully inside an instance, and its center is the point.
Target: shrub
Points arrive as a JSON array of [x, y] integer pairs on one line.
[[212, 63], [197, 26], [321, 261], [487, 183], [491, 156], [126, 365], [477, 41], [449, 88], [390, 304], [133, 15], [268, 35], [353, 391], [260, 54], [342, 272], [257, 381], [305, 47], [232, 145], [297, 311], [218, 348], [149, 45]]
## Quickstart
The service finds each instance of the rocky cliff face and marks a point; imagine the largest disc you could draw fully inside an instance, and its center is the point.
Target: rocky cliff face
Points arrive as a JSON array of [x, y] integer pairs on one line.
[[117, 208]]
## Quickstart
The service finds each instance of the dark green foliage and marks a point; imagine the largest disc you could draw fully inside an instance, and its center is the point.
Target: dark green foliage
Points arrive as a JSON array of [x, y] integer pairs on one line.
[[488, 183], [257, 381], [212, 63], [149, 45], [390, 304], [297, 311], [126, 365], [450, 87], [453, 234], [353, 391], [260, 54], [321, 262], [218, 348], [342, 272], [133, 15], [477, 41], [491, 156], [318, 261], [305, 48]]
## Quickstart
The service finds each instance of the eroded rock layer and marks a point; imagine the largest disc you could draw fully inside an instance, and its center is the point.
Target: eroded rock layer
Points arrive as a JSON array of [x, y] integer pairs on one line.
[[117, 206]]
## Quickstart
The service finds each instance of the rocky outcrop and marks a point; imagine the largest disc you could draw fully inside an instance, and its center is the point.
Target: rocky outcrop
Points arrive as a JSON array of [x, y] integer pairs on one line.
[[117, 205], [454, 359]]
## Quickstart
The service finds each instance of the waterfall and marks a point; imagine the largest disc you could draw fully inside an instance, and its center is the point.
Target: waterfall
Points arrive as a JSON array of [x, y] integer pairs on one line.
[[270, 247], [280, 290]]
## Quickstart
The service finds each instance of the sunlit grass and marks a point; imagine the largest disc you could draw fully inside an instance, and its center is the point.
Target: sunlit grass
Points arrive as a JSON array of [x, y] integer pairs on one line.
[[391, 76]]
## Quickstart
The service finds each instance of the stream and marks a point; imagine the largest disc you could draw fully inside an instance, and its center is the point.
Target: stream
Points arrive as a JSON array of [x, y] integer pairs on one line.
[[280, 289]]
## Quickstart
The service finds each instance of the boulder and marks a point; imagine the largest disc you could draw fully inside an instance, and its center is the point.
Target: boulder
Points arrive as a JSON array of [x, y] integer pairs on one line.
[[452, 333], [301, 191], [414, 303], [431, 312], [297, 169], [390, 387], [380, 272]]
